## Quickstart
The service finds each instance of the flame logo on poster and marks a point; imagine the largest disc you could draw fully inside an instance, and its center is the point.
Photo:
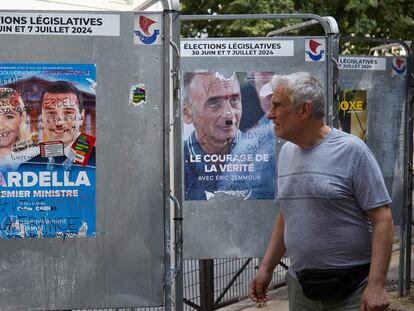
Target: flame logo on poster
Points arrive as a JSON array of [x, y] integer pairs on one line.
[[398, 66], [145, 36], [315, 50]]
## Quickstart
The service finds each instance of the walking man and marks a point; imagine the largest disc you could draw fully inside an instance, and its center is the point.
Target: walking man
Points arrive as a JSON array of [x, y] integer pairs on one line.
[[335, 222]]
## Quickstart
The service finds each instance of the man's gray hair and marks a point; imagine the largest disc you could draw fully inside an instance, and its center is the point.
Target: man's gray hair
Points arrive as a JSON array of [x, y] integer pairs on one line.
[[303, 87]]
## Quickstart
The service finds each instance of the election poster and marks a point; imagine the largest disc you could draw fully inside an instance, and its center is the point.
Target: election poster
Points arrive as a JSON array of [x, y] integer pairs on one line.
[[352, 112], [47, 150], [228, 142]]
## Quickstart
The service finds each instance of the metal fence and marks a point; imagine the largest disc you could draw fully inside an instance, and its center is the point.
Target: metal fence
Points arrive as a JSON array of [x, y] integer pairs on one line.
[[225, 270], [231, 280]]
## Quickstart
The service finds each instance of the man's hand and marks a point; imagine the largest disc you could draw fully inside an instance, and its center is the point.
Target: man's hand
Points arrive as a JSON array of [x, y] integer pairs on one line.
[[274, 252], [374, 299], [259, 285]]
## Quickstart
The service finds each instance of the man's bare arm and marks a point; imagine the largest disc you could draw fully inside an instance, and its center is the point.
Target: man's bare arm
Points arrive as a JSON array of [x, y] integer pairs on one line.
[[375, 297], [274, 252]]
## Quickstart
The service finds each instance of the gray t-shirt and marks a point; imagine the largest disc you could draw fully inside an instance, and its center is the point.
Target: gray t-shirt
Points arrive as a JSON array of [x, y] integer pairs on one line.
[[323, 193]]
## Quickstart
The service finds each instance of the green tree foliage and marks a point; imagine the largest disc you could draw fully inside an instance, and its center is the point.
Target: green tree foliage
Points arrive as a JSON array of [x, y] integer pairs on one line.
[[237, 28], [388, 19]]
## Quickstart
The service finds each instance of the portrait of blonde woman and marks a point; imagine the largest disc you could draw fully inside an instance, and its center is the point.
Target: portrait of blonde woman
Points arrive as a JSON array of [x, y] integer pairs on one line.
[[16, 145]]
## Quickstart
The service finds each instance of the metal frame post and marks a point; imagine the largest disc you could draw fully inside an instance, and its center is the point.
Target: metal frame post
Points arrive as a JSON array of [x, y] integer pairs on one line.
[[404, 285], [173, 131], [206, 284], [171, 63], [332, 67], [409, 169]]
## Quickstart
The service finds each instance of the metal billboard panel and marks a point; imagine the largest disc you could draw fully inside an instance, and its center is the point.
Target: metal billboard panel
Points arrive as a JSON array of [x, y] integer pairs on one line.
[[228, 223], [123, 264], [380, 85]]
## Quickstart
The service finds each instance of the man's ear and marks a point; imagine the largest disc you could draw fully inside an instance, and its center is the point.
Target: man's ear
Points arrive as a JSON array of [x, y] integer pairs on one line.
[[82, 115], [187, 114], [305, 110]]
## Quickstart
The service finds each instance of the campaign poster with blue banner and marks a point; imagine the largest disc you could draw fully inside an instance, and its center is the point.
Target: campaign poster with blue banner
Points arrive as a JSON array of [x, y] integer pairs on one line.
[[229, 144], [47, 150]]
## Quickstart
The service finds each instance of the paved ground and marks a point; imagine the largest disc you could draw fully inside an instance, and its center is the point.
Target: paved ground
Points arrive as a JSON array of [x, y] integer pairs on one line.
[[279, 300]]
